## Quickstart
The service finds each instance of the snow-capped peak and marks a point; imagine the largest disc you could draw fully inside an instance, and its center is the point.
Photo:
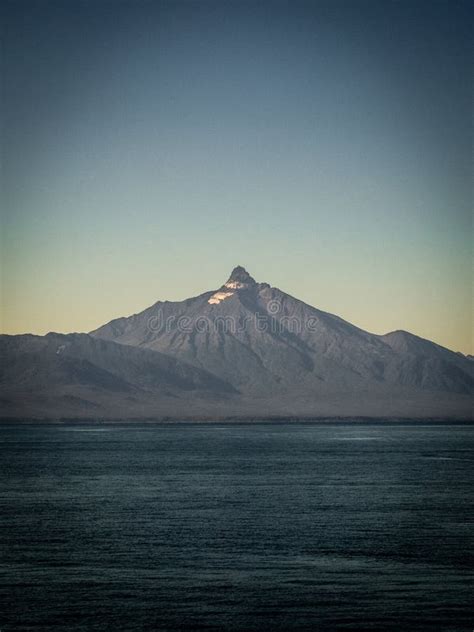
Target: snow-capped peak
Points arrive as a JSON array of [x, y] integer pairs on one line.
[[239, 279]]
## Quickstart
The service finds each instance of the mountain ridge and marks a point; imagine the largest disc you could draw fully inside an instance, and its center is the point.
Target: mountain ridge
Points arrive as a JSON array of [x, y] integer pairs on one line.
[[300, 331], [247, 348]]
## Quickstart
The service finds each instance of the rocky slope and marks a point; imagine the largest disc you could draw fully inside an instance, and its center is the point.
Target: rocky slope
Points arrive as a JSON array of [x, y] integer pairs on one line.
[[263, 340], [77, 375]]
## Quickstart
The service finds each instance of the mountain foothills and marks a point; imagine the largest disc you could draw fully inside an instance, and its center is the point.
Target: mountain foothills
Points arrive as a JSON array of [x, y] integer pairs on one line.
[[245, 349]]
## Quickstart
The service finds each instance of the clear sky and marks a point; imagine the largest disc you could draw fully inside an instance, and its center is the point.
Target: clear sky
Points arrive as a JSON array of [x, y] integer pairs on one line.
[[150, 147]]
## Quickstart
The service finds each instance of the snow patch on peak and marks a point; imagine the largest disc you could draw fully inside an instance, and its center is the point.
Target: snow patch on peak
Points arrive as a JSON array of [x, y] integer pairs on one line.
[[235, 285], [240, 275], [218, 297]]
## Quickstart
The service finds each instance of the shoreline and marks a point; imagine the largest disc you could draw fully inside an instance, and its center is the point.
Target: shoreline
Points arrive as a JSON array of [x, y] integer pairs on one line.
[[244, 420]]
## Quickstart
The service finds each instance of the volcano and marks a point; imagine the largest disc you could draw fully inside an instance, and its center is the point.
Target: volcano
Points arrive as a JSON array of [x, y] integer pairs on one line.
[[244, 349]]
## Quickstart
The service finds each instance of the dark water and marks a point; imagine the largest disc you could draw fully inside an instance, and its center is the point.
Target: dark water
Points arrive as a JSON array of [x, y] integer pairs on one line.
[[241, 527]]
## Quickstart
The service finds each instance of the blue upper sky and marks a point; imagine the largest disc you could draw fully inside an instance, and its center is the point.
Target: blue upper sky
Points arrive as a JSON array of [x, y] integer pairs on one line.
[[150, 147]]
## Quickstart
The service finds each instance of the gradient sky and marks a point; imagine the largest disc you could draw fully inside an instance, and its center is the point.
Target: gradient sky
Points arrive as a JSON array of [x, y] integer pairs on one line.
[[150, 147]]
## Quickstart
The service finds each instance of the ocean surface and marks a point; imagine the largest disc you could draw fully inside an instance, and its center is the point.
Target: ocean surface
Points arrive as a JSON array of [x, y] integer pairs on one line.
[[239, 527]]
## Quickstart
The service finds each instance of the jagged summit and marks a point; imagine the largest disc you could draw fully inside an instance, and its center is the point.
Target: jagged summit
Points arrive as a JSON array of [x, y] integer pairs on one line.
[[240, 275], [239, 279]]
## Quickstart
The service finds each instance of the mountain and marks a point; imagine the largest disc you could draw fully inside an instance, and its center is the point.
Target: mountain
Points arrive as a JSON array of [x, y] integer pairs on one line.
[[243, 349], [78, 375], [271, 346]]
